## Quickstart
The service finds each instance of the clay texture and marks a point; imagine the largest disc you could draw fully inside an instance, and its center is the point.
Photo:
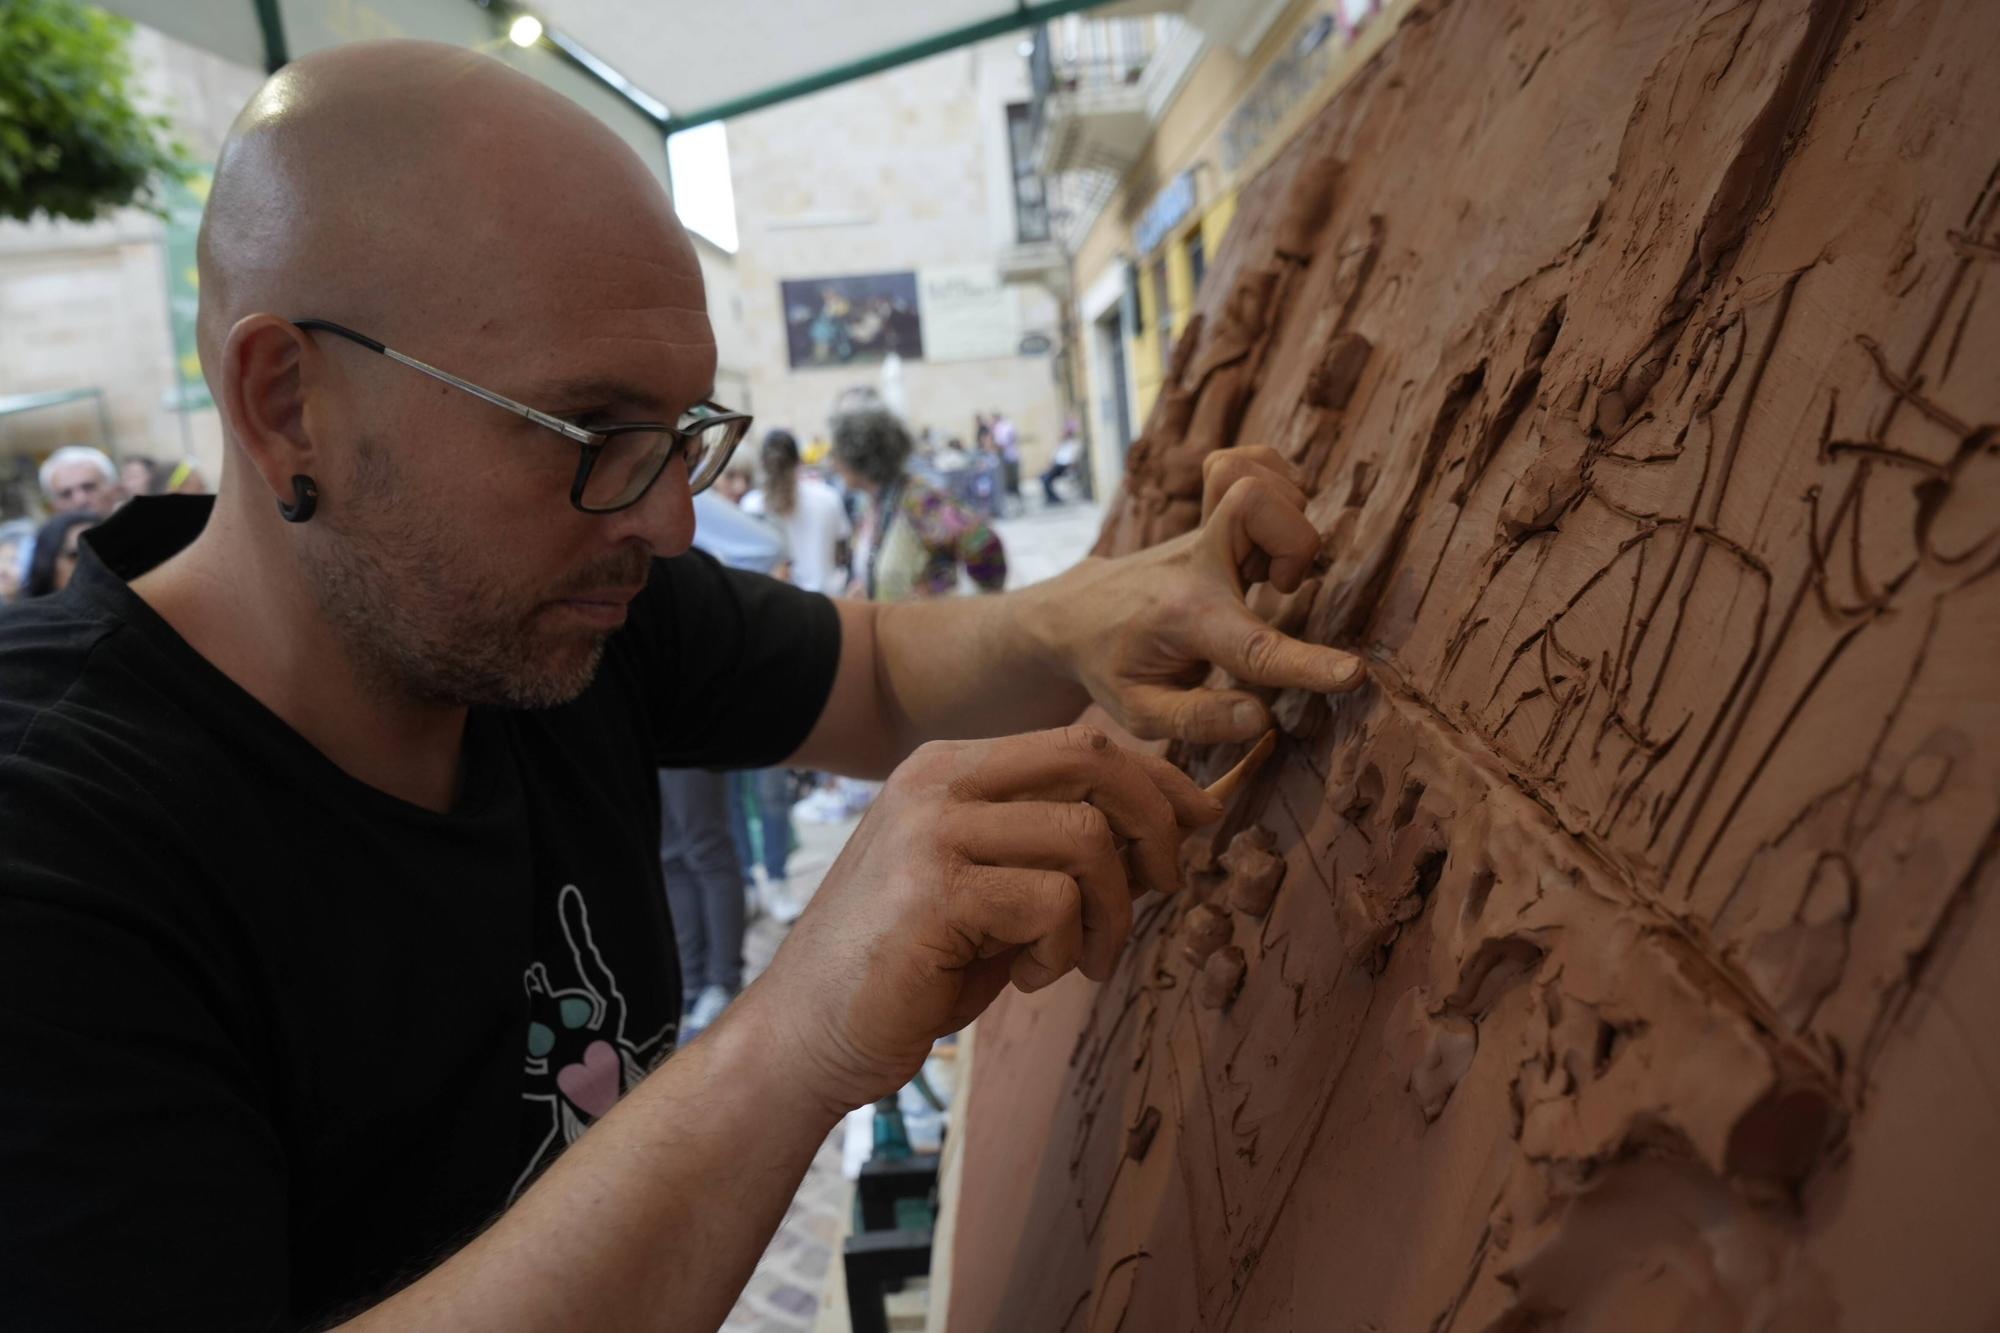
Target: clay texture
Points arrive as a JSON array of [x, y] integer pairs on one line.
[[1623, 955]]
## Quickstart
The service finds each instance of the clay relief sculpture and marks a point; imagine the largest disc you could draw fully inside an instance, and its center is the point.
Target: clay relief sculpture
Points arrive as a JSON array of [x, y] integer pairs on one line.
[[1622, 957]]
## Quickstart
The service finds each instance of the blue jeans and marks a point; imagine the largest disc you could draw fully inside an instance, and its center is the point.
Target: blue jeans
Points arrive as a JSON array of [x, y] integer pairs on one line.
[[769, 792], [704, 880]]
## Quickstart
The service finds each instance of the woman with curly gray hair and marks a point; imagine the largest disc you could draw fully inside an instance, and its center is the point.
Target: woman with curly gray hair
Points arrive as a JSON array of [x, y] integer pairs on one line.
[[914, 538]]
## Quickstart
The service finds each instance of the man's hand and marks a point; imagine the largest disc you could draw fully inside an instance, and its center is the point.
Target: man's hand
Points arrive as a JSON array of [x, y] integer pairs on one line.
[[1141, 632], [980, 862]]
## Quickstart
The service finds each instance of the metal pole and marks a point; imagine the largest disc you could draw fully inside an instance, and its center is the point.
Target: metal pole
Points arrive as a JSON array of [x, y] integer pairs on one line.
[[272, 24], [103, 420]]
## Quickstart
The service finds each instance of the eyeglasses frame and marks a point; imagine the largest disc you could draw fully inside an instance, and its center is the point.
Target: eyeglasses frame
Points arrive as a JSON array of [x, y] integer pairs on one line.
[[590, 442]]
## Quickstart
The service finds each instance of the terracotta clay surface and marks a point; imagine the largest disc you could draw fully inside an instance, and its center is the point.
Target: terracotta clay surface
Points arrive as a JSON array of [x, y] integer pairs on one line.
[[1631, 962]]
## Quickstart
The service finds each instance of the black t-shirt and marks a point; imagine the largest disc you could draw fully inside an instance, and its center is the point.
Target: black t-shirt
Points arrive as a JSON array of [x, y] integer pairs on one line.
[[271, 1040]]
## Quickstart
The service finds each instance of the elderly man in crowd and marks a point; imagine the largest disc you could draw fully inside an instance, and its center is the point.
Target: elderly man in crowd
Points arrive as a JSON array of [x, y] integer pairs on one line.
[[79, 479], [336, 977]]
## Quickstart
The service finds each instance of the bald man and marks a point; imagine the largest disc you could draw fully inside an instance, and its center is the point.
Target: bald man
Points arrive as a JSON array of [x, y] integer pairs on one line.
[[336, 979]]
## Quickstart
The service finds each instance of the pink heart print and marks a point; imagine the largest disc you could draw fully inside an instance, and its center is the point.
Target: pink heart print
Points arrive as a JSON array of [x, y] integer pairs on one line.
[[593, 1084]]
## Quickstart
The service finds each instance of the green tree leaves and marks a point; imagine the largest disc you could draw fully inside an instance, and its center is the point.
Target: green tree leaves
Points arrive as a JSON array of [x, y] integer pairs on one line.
[[72, 145]]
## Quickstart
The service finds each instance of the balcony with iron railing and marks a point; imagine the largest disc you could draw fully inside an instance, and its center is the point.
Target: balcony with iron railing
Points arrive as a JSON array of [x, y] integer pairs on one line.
[[1096, 88]]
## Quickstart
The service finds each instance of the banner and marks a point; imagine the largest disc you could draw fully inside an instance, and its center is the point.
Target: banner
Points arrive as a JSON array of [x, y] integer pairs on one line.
[[969, 314]]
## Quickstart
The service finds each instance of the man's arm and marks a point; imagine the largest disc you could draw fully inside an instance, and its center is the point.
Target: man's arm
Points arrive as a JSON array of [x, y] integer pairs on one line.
[[987, 676], [980, 864], [1137, 634]]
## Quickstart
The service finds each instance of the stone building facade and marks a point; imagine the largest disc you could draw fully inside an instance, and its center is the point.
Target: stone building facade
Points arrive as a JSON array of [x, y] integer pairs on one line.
[[906, 172]]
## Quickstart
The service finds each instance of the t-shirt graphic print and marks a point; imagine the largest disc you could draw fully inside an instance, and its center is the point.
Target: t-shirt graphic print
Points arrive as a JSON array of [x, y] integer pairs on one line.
[[580, 1058]]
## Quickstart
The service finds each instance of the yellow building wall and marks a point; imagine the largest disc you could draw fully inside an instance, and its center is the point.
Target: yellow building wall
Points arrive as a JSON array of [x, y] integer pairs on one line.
[[1150, 354], [1189, 137], [1146, 362], [1186, 133], [1180, 279], [1216, 221]]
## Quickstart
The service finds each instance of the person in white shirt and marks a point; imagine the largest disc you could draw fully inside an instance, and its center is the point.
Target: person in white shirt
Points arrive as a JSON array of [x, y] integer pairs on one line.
[[814, 520], [1007, 443], [807, 509], [1069, 451]]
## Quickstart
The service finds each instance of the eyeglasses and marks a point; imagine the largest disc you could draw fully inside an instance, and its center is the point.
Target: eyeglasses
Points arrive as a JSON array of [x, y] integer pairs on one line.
[[619, 464]]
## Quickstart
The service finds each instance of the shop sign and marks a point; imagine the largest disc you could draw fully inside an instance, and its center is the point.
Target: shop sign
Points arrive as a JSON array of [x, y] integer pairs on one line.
[[1169, 207], [1289, 80]]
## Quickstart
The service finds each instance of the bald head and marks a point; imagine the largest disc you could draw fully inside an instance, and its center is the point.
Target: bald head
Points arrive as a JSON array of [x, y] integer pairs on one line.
[[390, 185], [445, 205]]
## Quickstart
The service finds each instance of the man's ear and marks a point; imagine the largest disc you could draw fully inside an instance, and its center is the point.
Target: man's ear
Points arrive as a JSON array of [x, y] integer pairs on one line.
[[264, 399]]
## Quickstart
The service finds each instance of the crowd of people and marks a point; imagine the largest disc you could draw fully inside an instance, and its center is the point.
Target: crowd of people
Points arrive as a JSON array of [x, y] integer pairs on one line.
[[985, 478], [81, 487], [868, 517]]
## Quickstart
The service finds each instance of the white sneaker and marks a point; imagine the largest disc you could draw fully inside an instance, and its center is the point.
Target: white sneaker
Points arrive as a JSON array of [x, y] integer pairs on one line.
[[778, 902], [824, 806], [707, 1008], [856, 796]]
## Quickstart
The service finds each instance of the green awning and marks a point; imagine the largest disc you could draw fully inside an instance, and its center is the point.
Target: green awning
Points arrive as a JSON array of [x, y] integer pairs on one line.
[[679, 63], [708, 61]]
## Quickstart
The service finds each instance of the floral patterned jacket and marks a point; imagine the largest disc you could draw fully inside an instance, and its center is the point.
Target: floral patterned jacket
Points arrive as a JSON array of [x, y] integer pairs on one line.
[[918, 537]]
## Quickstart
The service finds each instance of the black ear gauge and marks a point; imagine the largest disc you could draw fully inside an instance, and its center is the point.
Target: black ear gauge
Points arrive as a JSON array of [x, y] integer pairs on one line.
[[305, 499]]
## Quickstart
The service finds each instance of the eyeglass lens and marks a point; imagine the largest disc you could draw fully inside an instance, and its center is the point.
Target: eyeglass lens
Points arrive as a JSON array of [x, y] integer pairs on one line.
[[630, 461]]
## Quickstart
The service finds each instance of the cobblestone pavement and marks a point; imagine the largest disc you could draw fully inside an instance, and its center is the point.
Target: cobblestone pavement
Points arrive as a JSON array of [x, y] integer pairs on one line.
[[784, 1294], [1043, 542]]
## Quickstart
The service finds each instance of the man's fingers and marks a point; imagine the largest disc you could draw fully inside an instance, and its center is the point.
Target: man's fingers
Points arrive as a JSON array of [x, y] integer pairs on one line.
[[1225, 467], [981, 984], [1036, 910], [1081, 764], [1258, 522], [1064, 836], [1202, 716], [1256, 654]]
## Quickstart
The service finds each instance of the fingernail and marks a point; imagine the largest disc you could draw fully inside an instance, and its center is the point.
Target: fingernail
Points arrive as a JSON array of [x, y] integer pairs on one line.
[[1246, 715], [1347, 673]]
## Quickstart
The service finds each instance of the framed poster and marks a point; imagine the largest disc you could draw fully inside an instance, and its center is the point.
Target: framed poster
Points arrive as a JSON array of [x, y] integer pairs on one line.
[[851, 321]]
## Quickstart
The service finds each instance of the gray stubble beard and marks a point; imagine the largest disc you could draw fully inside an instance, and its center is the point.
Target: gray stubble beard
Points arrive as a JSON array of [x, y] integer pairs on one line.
[[411, 637]]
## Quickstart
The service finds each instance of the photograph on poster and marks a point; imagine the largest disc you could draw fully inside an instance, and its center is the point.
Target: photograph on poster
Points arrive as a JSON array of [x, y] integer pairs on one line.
[[853, 320]]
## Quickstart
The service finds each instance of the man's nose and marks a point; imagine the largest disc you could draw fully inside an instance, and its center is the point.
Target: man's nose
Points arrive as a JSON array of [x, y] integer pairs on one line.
[[664, 516]]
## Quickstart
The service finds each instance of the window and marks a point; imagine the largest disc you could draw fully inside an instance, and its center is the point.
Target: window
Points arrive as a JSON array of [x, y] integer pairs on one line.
[[1163, 310], [698, 172], [1197, 259], [1031, 200]]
